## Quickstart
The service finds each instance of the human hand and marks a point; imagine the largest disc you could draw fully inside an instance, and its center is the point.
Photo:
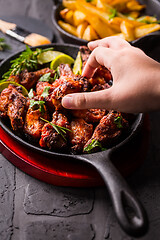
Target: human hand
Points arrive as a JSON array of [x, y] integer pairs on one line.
[[136, 79]]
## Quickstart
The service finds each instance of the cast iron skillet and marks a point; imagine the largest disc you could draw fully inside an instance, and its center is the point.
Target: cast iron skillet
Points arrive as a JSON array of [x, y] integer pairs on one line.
[[122, 197]]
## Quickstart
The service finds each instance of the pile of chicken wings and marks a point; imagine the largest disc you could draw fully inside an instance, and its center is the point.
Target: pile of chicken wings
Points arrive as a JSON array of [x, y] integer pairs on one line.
[[34, 116]]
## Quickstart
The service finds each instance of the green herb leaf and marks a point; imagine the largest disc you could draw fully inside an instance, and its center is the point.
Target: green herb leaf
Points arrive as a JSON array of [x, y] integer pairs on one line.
[[31, 94], [38, 105], [57, 74], [89, 0], [3, 45], [45, 77], [118, 121], [93, 145], [60, 130], [27, 60], [113, 14], [45, 92]]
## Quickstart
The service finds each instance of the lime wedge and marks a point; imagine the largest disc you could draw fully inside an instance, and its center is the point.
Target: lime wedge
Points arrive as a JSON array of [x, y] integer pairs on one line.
[[77, 67], [64, 58], [47, 56], [4, 85]]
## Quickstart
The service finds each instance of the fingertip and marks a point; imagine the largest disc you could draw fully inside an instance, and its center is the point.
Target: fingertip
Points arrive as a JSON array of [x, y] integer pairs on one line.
[[92, 45], [67, 101]]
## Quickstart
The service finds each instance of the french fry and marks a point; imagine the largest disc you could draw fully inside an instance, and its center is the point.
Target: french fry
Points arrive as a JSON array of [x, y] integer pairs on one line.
[[63, 12], [147, 19], [134, 6], [78, 17], [81, 28], [127, 30], [67, 15], [103, 6], [146, 29], [134, 14], [70, 4], [68, 27], [87, 8], [115, 23], [90, 34], [102, 29]]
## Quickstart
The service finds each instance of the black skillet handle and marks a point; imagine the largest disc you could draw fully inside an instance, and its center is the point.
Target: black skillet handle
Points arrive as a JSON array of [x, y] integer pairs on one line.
[[129, 211]]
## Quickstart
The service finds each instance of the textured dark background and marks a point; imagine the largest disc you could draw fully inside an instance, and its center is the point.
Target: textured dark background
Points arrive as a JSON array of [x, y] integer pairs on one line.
[[33, 210]]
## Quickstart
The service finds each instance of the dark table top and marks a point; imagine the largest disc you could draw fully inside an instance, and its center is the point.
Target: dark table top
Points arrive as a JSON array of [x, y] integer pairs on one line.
[[33, 210]]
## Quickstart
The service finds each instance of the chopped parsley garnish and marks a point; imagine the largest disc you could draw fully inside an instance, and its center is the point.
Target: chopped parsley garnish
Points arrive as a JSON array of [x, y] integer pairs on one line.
[[113, 14], [45, 92], [118, 121], [57, 74], [3, 45], [93, 145], [45, 78], [89, 0], [37, 105], [31, 94], [27, 60], [60, 130]]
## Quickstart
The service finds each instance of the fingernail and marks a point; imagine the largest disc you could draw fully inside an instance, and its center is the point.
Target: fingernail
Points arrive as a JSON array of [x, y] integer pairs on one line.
[[67, 102]]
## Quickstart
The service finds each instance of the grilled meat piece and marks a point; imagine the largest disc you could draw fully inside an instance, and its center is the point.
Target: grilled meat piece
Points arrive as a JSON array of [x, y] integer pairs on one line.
[[5, 100], [81, 133], [89, 115], [50, 137], [86, 86], [99, 87], [109, 129], [40, 86], [33, 122], [14, 105], [29, 79], [101, 76], [68, 86], [17, 110], [85, 52]]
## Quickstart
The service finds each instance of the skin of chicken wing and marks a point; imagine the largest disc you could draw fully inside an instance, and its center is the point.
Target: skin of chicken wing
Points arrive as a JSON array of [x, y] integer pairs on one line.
[[68, 86], [14, 105], [50, 137], [29, 79], [109, 129], [80, 133], [5, 100], [33, 122], [89, 115], [85, 52]]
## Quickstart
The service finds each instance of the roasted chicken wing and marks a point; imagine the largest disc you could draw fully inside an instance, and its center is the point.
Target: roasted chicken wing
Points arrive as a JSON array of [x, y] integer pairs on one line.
[[52, 138], [33, 122], [29, 79], [80, 133], [89, 115], [14, 105], [109, 129], [68, 86]]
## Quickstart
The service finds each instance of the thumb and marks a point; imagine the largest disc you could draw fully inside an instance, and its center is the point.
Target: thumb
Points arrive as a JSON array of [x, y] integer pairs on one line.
[[98, 99]]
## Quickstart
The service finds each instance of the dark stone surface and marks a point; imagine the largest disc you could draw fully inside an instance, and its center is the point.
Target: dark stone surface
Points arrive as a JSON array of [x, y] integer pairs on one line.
[[62, 230], [57, 201], [7, 186]]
